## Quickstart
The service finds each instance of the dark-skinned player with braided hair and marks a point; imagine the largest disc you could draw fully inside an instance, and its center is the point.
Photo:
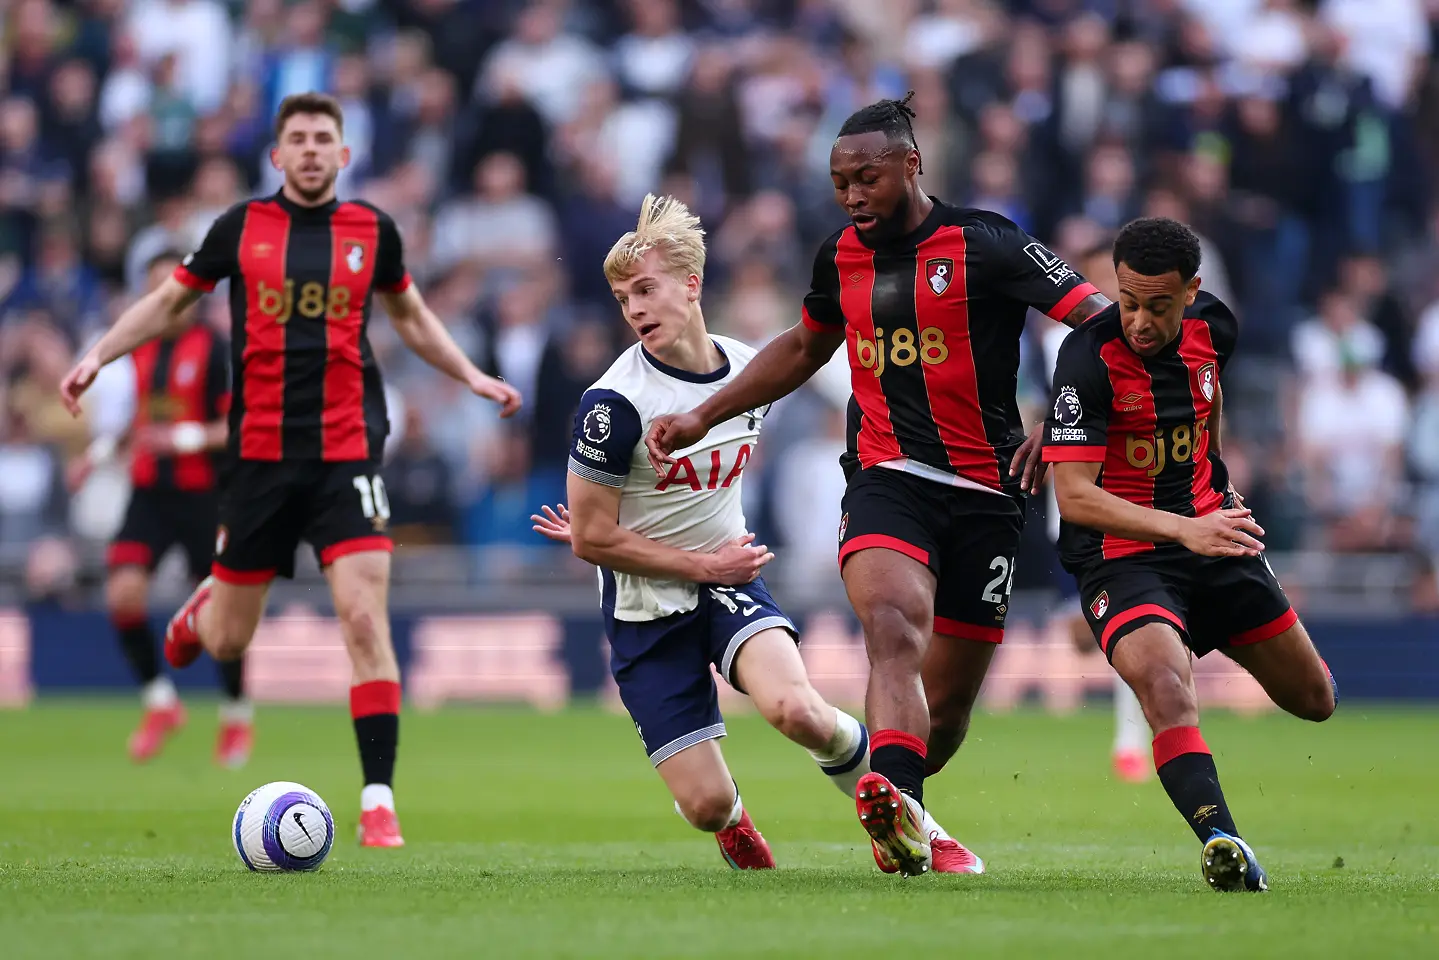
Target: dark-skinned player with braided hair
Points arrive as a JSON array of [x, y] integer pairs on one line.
[[930, 301]]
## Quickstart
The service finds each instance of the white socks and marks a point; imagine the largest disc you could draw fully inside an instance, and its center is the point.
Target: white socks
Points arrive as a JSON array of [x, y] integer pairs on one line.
[[1131, 730], [159, 694], [846, 757], [377, 795], [932, 829], [237, 711]]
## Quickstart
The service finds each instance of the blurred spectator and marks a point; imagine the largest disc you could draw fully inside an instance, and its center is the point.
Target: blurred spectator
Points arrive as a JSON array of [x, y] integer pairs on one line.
[[419, 484], [499, 225], [1321, 344], [197, 34], [551, 67], [1351, 433]]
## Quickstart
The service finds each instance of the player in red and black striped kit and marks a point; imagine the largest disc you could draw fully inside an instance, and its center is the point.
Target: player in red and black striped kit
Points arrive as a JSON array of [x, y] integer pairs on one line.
[[931, 300], [307, 420], [181, 393], [1168, 559]]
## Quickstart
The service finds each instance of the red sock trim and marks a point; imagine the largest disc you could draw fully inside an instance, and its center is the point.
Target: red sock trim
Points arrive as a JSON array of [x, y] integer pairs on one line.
[[896, 738], [128, 621], [375, 697], [1176, 742]]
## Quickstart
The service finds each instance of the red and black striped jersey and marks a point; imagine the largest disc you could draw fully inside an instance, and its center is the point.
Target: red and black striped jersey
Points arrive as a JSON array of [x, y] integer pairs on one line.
[[1145, 419], [180, 379], [302, 278], [932, 323]]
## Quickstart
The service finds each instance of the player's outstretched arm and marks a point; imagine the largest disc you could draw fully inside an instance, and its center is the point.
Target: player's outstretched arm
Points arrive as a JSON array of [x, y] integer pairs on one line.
[[427, 337], [1224, 533], [156, 313], [596, 537], [782, 367]]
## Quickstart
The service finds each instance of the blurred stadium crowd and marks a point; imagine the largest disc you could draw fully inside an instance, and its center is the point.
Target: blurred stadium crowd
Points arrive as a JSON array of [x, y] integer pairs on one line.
[[513, 140]]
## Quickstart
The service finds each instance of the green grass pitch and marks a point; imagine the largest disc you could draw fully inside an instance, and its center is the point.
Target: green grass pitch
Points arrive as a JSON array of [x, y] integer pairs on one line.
[[548, 836]]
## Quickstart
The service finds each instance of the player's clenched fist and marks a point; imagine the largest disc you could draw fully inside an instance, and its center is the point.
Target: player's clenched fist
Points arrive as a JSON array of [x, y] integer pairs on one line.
[[497, 390], [77, 381], [737, 562], [1224, 533], [670, 433]]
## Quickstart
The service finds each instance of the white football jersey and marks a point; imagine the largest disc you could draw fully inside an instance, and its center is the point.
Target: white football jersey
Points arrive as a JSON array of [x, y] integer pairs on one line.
[[696, 506]]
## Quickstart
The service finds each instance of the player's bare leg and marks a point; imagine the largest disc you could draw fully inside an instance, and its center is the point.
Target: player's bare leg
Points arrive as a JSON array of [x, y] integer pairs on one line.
[[219, 618], [127, 593], [360, 587], [1291, 671], [893, 597], [707, 797], [770, 670], [954, 670], [1155, 663]]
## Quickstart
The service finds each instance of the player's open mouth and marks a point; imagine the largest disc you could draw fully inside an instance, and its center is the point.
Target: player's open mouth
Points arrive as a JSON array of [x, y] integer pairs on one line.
[[863, 221], [646, 329]]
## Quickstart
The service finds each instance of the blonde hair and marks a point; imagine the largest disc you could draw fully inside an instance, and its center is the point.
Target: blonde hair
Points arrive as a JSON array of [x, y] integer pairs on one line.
[[666, 225]]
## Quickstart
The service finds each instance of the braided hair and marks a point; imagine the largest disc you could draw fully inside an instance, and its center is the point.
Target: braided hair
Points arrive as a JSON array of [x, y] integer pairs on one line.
[[894, 118]]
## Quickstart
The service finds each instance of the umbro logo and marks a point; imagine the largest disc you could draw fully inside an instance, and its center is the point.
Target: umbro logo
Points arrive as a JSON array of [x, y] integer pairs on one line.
[[856, 277], [1130, 402]]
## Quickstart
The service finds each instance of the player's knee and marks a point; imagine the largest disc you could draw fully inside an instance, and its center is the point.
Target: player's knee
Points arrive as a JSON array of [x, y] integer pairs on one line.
[[800, 715], [1318, 703], [125, 597], [1168, 699], [708, 810], [227, 640], [893, 633]]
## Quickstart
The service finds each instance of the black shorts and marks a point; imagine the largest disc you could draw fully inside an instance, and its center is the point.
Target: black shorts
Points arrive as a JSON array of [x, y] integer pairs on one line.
[[1214, 602], [968, 538], [267, 508], [157, 520]]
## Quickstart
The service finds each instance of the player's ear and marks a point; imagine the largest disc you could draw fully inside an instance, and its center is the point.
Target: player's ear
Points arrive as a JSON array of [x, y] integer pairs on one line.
[[1191, 290], [275, 157], [344, 157], [912, 163], [693, 285]]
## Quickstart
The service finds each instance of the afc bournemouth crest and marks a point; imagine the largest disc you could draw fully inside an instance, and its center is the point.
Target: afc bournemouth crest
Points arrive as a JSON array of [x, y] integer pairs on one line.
[[354, 255], [1099, 606], [1207, 380], [222, 537], [939, 274], [843, 526]]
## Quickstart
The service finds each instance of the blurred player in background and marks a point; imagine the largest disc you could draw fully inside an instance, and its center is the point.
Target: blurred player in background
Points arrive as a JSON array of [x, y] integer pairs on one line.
[[308, 417], [680, 580], [931, 300], [1168, 560], [178, 389], [1129, 755]]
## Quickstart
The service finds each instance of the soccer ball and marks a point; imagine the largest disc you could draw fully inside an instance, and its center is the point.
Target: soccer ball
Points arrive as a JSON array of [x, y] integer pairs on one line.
[[283, 827]]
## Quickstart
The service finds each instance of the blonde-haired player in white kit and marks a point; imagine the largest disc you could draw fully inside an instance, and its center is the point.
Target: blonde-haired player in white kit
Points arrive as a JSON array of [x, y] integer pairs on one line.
[[680, 577]]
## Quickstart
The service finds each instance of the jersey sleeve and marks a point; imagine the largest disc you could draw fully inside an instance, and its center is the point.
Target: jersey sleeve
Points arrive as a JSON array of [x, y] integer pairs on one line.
[[821, 312], [390, 273], [607, 430], [1223, 325], [1026, 270], [1077, 428], [217, 378], [219, 253]]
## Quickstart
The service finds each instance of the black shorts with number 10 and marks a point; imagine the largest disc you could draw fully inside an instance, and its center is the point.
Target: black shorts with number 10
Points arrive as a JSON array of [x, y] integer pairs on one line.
[[267, 508], [967, 538]]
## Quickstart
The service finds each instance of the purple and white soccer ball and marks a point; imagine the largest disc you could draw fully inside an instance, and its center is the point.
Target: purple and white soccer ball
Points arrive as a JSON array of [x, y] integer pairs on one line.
[[283, 827]]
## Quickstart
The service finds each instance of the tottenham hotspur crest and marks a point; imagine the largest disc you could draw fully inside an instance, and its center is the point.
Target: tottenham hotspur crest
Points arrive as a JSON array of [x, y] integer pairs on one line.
[[1206, 381], [355, 256], [1066, 407], [597, 424]]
